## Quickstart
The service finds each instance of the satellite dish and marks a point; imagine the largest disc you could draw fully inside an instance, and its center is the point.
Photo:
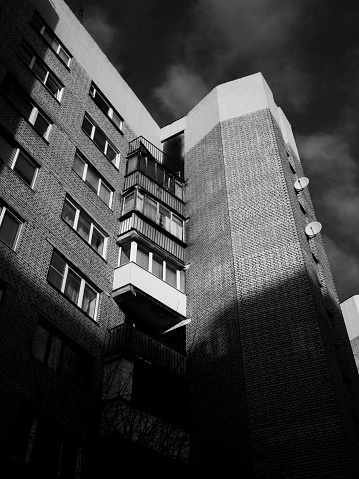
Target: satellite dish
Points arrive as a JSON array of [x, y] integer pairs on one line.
[[313, 228], [301, 183]]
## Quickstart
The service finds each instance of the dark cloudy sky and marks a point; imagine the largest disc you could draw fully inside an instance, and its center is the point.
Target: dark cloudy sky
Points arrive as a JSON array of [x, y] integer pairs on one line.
[[172, 53]]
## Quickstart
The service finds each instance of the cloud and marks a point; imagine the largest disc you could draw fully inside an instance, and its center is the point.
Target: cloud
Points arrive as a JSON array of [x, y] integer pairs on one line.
[[100, 28], [234, 38], [181, 90], [345, 268]]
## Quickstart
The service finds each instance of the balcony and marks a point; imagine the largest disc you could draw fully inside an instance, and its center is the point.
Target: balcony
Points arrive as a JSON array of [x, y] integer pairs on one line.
[[156, 305], [126, 339], [141, 144]]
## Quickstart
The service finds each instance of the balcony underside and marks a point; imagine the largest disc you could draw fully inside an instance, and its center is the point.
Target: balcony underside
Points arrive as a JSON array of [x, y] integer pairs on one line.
[[153, 305]]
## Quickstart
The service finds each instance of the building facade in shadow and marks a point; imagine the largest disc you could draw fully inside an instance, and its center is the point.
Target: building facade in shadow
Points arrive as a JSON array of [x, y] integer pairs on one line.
[[165, 298]]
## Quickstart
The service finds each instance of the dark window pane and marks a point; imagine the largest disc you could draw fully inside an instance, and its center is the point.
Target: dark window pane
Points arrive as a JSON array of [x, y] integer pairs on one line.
[[171, 276], [111, 153], [72, 287], [69, 213], [69, 363], [150, 209], [101, 103], [151, 168], [40, 342], [9, 229], [56, 271], [164, 218], [25, 169], [49, 38], [39, 70], [129, 203], [87, 126], [21, 103], [54, 353], [117, 120], [105, 194], [125, 254], [132, 164], [160, 175], [84, 225], [41, 124], [89, 301], [92, 179], [64, 56], [36, 23], [98, 241], [143, 163], [100, 139], [142, 257], [79, 165], [157, 266], [178, 190], [25, 54], [53, 85]]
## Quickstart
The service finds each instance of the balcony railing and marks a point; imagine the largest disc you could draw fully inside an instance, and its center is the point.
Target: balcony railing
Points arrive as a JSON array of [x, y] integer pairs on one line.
[[125, 338], [175, 167]]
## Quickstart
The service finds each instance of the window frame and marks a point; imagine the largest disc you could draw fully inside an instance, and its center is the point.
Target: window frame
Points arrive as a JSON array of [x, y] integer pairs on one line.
[[133, 247], [49, 74], [83, 284], [5, 210], [66, 343], [45, 28], [146, 199], [116, 162], [93, 92], [32, 163], [101, 181], [35, 110], [93, 226]]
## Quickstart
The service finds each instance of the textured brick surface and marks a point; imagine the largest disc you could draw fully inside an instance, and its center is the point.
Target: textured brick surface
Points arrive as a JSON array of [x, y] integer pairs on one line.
[[257, 293]]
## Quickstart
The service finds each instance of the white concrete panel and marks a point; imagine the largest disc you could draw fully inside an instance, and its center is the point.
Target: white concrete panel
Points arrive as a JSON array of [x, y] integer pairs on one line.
[[243, 96], [131, 273], [350, 310], [173, 128], [201, 119], [82, 46], [287, 131]]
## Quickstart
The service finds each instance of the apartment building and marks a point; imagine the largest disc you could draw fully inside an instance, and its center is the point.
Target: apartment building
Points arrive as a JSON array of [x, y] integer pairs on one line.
[[165, 298]]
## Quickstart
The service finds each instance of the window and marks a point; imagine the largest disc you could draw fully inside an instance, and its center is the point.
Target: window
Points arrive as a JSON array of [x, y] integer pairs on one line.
[[44, 449], [10, 227], [25, 168], [155, 211], [101, 140], [153, 263], [72, 285], [59, 353], [28, 110], [41, 71], [39, 25], [90, 176], [105, 106], [156, 172], [83, 224]]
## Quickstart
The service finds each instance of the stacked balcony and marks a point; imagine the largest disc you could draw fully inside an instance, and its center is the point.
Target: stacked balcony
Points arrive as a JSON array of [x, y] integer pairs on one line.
[[149, 281]]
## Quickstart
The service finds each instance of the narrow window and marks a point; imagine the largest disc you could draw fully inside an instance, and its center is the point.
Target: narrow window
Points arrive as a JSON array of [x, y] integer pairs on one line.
[[39, 25], [93, 179], [25, 168], [41, 70], [142, 257], [10, 227], [84, 225], [101, 141], [125, 254], [73, 285]]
